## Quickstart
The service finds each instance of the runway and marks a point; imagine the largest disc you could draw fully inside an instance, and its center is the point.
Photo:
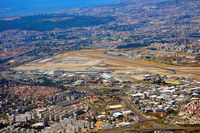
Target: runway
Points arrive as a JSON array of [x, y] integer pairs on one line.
[[146, 65]]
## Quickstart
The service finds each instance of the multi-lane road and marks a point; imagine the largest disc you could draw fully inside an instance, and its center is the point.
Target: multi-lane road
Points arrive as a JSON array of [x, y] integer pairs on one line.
[[167, 129], [155, 127], [137, 113]]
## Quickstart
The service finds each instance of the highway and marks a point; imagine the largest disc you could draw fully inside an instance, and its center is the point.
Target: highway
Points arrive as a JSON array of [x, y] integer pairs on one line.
[[167, 129], [155, 127], [137, 113], [123, 61]]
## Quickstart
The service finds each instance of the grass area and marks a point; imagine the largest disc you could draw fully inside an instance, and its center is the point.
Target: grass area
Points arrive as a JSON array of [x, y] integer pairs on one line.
[[94, 106], [3, 116], [162, 123]]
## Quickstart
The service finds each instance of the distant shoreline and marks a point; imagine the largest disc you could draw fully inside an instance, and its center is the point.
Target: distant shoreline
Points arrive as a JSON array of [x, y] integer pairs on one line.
[[12, 12]]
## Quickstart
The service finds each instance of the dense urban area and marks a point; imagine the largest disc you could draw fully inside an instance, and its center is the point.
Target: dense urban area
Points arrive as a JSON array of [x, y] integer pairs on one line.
[[132, 66]]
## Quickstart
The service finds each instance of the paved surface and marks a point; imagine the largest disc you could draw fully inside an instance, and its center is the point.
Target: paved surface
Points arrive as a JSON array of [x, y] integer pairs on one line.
[[168, 69], [167, 129], [117, 130], [136, 112], [155, 127]]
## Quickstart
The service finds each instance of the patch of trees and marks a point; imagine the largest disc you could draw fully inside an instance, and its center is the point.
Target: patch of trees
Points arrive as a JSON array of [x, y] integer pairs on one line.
[[42, 22], [132, 46]]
